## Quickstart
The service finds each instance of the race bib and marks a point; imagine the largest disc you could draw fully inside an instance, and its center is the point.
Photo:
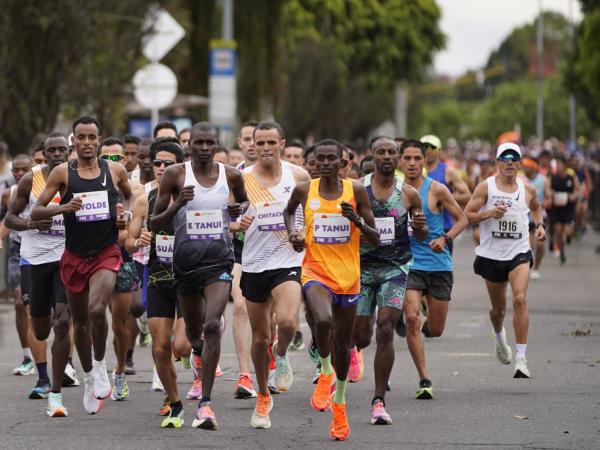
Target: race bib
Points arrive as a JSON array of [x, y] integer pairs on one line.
[[269, 216], [508, 227], [331, 229], [387, 230], [94, 208], [164, 248], [206, 225], [561, 199], [58, 222]]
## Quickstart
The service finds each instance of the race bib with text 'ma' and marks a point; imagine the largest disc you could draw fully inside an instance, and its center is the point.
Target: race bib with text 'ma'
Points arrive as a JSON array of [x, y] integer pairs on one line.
[[269, 216], [94, 208], [205, 225], [331, 229], [58, 222], [387, 230], [164, 248]]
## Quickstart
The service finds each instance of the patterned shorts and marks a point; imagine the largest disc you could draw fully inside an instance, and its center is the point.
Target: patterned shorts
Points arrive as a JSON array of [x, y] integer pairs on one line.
[[380, 287]]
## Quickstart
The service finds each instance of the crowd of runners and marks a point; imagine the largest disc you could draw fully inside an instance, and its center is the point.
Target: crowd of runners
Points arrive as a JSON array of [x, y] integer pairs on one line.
[[166, 231]]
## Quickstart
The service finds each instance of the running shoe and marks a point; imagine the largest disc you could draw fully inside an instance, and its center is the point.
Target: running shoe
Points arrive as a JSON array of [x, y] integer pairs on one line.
[[70, 377], [40, 390], [129, 367], [91, 404], [503, 351], [401, 326], [297, 343], [271, 383], [535, 275], [284, 376], [165, 409], [313, 352], [196, 361], [120, 390], [101, 382], [320, 399], [218, 371], [339, 429], [55, 405], [186, 363], [425, 391], [244, 388], [157, 385], [317, 374], [379, 416], [272, 363], [195, 392], [205, 418], [173, 421], [521, 369], [144, 339], [355, 371], [260, 416], [27, 367]]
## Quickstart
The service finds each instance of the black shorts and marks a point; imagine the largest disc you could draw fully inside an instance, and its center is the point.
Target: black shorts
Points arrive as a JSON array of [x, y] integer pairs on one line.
[[565, 215], [162, 302], [238, 248], [47, 288], [497, 271], [436, 284], [257, 287], [195, 282], [25, 282]]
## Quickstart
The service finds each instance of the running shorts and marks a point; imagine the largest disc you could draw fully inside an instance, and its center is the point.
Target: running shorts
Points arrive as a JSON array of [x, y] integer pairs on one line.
[[380, 287], [436, 284], [342, 300], [497, 271], [195, 282], [25, 283], [47, 289], [257, 287], [565, 215], [76, 270], [127, 278], [162, 302]]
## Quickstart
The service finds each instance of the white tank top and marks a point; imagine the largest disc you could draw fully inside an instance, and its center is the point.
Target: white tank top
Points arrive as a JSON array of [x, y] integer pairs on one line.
[[503, 239], [42, 247], [266, 245]]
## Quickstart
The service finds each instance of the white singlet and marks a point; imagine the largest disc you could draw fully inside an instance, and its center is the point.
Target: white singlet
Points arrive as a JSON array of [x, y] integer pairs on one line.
[[503, 239]]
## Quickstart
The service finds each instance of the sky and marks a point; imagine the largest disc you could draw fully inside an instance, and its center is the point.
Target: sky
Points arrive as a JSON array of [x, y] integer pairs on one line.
[[474, 28]]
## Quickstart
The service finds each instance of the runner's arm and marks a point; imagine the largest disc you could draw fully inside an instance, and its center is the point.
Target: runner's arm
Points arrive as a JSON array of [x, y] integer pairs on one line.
[[363, 209], [235, 180], [55, 182], [461, 190], [536, 213], [473, 208], [547, 194], [164, 213], [17, 205], [415, 208], [139, 210], [298, 197], [450, 204]]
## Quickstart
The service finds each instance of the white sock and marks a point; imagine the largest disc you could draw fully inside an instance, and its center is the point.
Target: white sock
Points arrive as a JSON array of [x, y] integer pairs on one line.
[[27, 353], [521, 349], [501, 336]]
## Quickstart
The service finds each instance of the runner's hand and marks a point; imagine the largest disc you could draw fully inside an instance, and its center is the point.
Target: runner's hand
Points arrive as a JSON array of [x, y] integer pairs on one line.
[[245, 222], [498, 212], [122, 217], [186, 194], [297, 241], [418, 221], [45, 224], [540, 234], [145, 239], [234, 210], [349, 213], [438, 245], [74, 205]]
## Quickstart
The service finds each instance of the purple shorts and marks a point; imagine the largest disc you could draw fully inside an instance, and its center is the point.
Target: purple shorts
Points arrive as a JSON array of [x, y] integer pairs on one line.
[[343, 300]]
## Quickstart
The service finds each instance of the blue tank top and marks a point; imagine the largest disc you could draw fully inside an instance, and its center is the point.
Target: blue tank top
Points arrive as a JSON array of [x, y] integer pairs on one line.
[[423, 257], [539, 183], [439, 175]]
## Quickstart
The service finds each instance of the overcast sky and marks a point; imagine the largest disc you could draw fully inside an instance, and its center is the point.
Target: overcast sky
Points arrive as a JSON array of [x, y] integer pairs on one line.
[[476, 27]]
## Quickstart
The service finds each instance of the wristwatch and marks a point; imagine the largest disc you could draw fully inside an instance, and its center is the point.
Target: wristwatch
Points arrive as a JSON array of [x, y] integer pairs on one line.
[[448, 239]]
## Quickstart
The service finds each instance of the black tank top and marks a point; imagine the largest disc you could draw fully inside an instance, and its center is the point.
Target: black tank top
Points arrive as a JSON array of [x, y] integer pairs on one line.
[[89, 238], [159, 274], [563, 183]]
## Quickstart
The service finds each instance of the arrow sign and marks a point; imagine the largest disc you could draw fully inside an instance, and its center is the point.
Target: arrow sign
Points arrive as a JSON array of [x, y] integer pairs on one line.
[[164, 33]]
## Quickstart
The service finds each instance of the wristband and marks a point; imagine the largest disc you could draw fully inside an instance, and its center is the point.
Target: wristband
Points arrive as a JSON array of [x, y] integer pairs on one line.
[[541, 224]]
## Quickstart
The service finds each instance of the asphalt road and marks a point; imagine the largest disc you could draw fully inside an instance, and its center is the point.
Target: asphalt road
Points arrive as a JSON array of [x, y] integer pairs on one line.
[[477, 402]]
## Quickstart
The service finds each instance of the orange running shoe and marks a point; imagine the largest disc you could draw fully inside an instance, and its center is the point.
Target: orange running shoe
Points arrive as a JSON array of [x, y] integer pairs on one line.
[[356, 369], [260, 416], [165, 409], [320, 400], [339, 429], [244, 388], [272, 363]]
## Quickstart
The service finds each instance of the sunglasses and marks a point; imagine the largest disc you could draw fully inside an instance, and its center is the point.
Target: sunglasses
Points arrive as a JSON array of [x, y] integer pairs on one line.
[[114, 158], [166, 162], [509, 157]]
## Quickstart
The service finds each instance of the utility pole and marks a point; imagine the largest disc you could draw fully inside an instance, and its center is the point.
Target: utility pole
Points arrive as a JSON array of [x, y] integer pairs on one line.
[[539, 118], [572, 103]]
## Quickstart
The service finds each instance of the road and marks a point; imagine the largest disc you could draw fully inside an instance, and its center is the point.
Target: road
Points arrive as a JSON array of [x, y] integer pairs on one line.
[[477, 403]]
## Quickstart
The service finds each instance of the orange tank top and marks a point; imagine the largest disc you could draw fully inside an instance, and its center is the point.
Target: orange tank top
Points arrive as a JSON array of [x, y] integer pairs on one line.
[[332, 242]]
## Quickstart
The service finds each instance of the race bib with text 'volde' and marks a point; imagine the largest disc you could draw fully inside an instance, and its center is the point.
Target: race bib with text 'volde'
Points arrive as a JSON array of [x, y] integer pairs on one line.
[[94, 208]]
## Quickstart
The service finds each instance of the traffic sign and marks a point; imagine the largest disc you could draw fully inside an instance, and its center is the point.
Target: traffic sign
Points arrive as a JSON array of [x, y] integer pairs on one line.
[[164, 33], [154, 86]]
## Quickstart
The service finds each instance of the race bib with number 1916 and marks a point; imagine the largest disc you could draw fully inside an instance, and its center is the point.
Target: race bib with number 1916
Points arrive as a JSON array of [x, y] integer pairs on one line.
[[508, 227]]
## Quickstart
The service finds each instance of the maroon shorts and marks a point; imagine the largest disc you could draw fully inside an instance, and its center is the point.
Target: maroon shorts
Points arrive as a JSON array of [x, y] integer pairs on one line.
[[76, 270]]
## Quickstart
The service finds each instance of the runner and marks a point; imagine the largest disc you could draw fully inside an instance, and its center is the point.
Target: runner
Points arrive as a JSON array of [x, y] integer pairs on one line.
[[501, 205], [384, 268], [202, 257], [270, 279], [163, 306], [184, 136], [293, 152], [431, 271], [131, 148], [565, 190], [91, 260], [336, 212], [165, 129], [310, 162], [42, 246]]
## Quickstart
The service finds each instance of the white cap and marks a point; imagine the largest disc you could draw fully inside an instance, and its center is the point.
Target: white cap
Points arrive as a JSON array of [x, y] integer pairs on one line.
[[508, 146]]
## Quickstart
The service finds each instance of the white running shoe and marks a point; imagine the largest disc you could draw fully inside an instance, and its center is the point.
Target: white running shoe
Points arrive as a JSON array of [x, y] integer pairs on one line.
[[503, 351], [535, 274], [260, 415], [157, 385], [70, 376], [55, 406], [521, 369], [91, 404], [271, 383], [102, 385], [284, 376]]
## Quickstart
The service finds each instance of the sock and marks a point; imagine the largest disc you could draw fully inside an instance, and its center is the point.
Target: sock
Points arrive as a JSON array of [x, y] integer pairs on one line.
[[176, 408], [27, 353], [198, 351], [130, 353], [521, 349], [501, 336], [378, 397], [326, 367], [339, 395], [204, 400], [42, 369], [71, 361]]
